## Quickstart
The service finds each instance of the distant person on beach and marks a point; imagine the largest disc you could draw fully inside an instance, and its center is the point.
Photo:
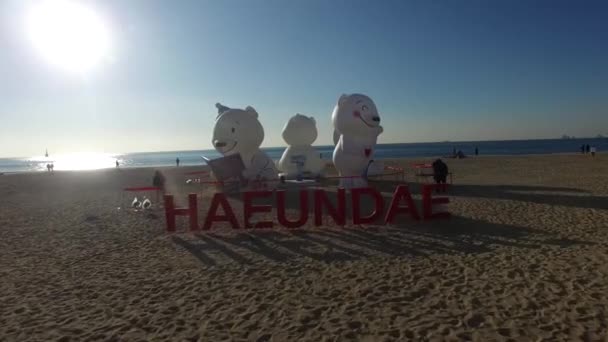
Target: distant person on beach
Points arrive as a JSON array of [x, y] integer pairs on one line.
[[158, 180], [177, 161], [587, 148], [583, 148], [440, 171], [460, 154], [52, 167], [476, 151], [117, 163], [48, 167]]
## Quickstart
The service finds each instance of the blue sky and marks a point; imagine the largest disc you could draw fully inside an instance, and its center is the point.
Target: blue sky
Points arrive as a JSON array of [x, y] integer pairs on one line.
[[437, 70]]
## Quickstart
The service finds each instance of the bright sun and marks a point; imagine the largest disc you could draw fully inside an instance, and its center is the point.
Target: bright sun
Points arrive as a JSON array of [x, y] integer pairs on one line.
[[68, 34]]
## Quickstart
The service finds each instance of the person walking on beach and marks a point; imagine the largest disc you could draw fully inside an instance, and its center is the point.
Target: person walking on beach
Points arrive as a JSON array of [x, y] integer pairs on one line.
[[476, 151], [117, 163], [177, 161]]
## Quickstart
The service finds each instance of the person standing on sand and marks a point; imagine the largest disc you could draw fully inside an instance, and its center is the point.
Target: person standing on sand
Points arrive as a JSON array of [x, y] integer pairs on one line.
[[159, 180], [476, 151], [440, 171], [587, 148], [177, 161], [583, 148], [117, 163]]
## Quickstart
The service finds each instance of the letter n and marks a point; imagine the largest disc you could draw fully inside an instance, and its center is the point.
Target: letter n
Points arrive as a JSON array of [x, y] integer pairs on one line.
[[338, 214]]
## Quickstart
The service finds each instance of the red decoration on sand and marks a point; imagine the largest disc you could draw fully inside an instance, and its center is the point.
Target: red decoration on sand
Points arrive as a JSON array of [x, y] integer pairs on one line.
[[219, 199], [337, 214], [249, 208], [321, 201], [356, 201], [281, 217], [171, 212], [428, 201], [401, 192]]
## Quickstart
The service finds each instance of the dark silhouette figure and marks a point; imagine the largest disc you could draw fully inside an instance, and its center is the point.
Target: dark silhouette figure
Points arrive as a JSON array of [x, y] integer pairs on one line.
[[52, 167], [588, 148], [158, 180], [117, 164], [177, 161], [440, 171], [476, 151], [48, 167], [583, 148]]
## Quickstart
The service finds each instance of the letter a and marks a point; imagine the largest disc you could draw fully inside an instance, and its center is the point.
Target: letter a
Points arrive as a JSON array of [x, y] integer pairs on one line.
[[401, 191]]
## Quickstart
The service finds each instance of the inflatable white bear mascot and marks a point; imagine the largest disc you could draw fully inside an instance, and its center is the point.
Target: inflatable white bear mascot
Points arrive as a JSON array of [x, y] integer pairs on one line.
[[357, 124], [239, 131], [300, 159]]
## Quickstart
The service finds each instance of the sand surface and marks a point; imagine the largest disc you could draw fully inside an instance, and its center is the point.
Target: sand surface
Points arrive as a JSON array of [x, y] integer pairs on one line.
[[524, 258]]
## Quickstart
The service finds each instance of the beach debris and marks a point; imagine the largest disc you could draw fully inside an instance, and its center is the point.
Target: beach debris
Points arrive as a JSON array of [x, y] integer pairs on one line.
[[146, 204], [136, 203]]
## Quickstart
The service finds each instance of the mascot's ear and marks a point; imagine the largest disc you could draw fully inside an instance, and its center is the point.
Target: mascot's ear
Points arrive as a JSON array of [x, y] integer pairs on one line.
[[342, 99], [251, 111], [220, 108]]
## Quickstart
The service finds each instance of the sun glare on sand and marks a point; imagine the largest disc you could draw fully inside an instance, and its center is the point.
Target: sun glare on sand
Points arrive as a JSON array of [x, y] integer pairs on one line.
[[68, 34]]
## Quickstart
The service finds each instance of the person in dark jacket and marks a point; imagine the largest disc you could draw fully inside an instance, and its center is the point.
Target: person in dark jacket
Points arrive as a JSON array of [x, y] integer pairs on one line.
[[440, 171], [158, 180]]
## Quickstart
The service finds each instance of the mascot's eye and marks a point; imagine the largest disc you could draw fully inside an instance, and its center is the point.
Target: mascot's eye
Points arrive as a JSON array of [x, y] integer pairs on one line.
[[364, 107], [232, 129]]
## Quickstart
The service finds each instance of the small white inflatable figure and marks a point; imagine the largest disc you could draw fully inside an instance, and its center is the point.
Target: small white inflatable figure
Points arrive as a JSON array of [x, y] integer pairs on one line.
[[300, 158], [239, 131], [357, 124]]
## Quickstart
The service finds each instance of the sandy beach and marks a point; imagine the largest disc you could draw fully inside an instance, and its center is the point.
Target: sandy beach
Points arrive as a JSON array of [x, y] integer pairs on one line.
[[524, 258]]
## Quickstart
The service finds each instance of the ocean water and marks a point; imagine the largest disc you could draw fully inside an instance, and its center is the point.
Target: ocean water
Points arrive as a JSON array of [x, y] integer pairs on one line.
[[84, 161]]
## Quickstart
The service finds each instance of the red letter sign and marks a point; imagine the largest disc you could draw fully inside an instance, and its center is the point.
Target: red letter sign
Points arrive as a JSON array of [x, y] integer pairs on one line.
[[378, 205], [281, 210], [339, 214], [219, 199], [249, 208], [402, 191]]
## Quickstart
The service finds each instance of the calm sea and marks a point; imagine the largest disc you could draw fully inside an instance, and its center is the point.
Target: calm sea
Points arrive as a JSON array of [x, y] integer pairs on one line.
[[152, 159]]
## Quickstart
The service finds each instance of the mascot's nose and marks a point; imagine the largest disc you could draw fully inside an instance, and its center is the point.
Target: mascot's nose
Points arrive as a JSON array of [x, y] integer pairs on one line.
[[219, 144], [376, 118]]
